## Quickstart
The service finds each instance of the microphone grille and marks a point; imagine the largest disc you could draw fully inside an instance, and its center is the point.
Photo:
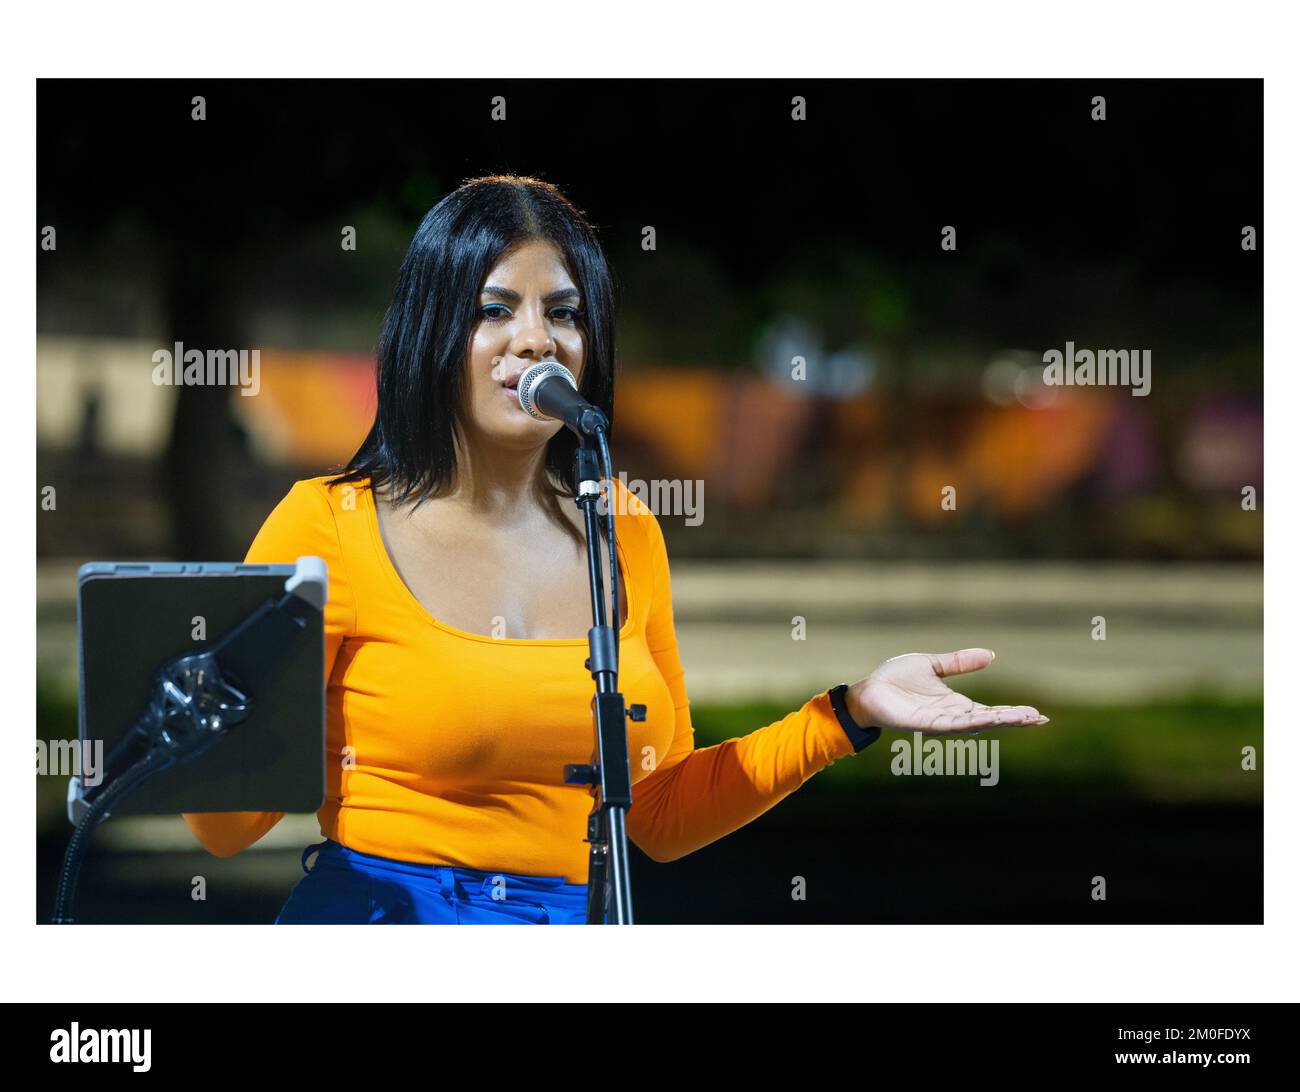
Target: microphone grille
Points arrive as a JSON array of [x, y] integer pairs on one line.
[[532, 376]]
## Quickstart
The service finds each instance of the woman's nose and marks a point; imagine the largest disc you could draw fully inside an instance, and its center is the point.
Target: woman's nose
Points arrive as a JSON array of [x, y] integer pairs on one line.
[[535, 338]]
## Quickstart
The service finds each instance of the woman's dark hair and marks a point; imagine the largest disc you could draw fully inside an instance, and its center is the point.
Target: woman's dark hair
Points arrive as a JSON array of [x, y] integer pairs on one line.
[[426, 333]]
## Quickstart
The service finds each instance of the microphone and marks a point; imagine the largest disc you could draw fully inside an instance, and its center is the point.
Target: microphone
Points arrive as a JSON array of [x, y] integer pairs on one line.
[[548, 391]]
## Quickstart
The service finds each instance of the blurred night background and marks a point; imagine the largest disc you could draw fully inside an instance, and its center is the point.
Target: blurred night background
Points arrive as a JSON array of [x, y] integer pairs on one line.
[[774, 238]]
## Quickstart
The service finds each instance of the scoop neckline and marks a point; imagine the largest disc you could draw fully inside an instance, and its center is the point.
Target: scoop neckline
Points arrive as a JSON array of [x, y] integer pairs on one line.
[[395, 578]]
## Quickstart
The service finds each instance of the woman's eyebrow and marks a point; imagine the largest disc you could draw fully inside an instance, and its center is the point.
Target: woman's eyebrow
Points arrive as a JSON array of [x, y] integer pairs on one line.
[[511, 296]]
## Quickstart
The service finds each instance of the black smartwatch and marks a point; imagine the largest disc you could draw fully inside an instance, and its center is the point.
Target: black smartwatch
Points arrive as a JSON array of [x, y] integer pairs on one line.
[[859, 737]]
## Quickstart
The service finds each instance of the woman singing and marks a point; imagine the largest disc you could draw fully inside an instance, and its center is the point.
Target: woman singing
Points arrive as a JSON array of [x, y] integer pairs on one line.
[[456, 686]]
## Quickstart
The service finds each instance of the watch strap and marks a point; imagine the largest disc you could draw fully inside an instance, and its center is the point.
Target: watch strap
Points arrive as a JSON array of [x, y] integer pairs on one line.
[[858, 736]]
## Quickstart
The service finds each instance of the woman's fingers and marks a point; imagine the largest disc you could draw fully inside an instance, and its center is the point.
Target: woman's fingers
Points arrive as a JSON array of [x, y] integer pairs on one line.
[[961, 661], [957, 713], [1007, 716]]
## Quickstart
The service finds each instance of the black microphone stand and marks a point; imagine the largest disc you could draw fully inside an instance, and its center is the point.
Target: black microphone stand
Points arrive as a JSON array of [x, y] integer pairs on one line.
[[609, 887]]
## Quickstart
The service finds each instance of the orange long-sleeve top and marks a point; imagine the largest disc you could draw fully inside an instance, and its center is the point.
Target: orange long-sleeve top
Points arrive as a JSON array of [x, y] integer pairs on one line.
[[447, 747]]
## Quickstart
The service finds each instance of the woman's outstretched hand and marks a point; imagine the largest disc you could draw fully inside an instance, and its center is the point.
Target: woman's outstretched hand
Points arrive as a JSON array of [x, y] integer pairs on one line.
[[907, 694]]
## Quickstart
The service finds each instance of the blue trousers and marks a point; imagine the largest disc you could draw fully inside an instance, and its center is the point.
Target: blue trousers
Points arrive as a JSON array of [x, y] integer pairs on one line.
[[345, 887]]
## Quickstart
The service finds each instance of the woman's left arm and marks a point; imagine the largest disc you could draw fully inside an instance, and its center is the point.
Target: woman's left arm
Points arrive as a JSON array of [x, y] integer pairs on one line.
[[694, 797]]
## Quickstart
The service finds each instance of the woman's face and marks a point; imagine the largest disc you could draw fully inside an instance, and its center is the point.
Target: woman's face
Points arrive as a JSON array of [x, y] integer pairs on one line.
[[528, 307]]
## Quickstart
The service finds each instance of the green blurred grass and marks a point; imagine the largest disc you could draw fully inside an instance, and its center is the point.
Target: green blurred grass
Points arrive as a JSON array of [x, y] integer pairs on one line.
[[1183, 750], [56, 718]]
